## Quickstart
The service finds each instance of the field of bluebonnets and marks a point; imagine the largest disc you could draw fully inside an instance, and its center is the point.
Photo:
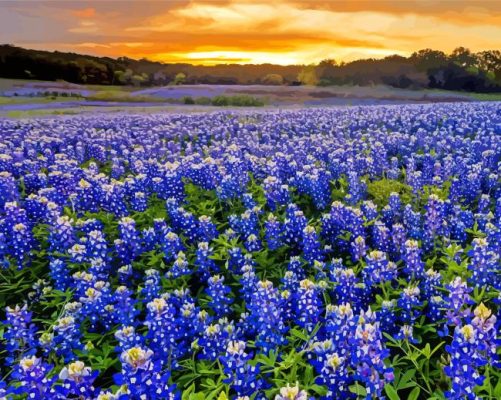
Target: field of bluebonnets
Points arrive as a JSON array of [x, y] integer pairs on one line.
[[305, 254]]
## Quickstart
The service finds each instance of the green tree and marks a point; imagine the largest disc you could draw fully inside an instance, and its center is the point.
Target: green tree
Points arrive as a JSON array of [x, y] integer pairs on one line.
[[463, 57], [428, 59], [273, 79], [308, 75], [137, 79], [180, 78]]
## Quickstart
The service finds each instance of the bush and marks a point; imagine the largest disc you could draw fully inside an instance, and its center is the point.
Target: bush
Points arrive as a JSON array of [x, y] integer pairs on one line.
[[203, 101], [188, 100], [273, 79], [379, 191], [220, 101], [237, 101]]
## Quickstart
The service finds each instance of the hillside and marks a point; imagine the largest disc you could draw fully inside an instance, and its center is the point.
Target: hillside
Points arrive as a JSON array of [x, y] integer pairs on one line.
[[460, 70]]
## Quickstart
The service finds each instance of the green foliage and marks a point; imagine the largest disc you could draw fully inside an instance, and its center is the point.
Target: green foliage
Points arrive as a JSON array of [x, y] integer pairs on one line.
[[180, 78], [203, 101], [123, 96], [308, 75], [237, 101], [273, 79], [379, 191], [188, 100]]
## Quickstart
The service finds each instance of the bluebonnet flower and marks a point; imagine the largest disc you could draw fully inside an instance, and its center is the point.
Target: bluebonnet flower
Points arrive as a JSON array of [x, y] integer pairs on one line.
[[143, 377], [378, 269], [311, 245], [184, 222], [86, 196], [473, 346], [207, 230], [409, 301], [415, 181], [395, 203], [163, 331], [358, 248], [96, 245], [294, 225], [172, 245], [433, 220], [124, 306], [318, 186], [203, 261], [249, 222], [220, 296], [457, 300], [388, 317], [95, 303], [19, 334], [369, 210], [130, 243], [266, 319], [273, 232], [149, 239], [60, 274], [18, 233], [356, 188], [236, 259], [249, 281], [66, 337], [252, 243], [152, 285], [406, 333], [414, 266], [296, 266], [76, 380], [381, 237], [412, 223], [8, 188], [333, 371], [308, 305], [483, 264], [215, 339], [291, 393], [277, 194], [179, 267], [398, 235], [393, 172], [32, 376], [241, 376], [139, 202], [61, 236], [369, 354], [127, 337], [345, 288]]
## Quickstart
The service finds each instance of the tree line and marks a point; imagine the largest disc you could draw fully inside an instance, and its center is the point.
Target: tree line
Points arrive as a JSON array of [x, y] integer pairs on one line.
[[459, 70]]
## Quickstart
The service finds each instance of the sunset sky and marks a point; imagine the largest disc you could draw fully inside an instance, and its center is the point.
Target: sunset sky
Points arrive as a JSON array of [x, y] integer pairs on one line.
[[280, 32]]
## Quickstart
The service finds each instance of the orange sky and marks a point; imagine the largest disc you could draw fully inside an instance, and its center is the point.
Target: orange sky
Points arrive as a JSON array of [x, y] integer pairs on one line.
[[281, 32]]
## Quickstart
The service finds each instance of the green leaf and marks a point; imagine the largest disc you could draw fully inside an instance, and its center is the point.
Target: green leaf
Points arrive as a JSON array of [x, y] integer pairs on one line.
[[299, 334], [406, 379], [359, 390], [222, 396], [414, 395], [391, 392]]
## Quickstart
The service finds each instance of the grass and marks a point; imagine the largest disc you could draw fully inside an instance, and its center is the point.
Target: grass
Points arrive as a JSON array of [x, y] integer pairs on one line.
[[122, 96], [19, 114], [485, 96], [242, 100], [33, 100]]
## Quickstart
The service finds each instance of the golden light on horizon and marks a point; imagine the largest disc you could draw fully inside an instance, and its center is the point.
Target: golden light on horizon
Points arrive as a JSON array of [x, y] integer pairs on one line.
[[283, 32]]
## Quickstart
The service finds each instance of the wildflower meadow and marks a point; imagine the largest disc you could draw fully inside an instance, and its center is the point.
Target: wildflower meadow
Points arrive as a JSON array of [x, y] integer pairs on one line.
[[318, 253]]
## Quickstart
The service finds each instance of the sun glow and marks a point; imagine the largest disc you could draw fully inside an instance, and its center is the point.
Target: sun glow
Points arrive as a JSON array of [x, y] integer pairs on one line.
[[239, 31]]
